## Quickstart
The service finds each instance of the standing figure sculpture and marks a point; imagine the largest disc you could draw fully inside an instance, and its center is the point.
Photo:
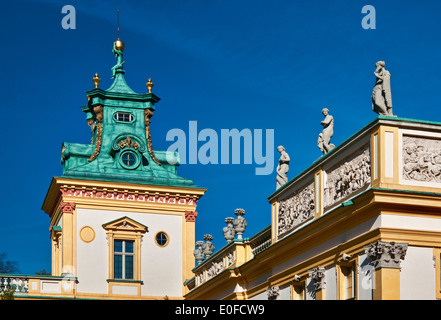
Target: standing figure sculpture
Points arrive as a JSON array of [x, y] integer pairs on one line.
[[324, 139], [283, 167], [118, 48], [381, 95]]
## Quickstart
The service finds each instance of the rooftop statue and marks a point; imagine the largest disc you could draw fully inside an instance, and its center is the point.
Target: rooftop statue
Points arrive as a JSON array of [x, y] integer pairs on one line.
[[283, 167], [118, 48], [381, 95], [325, 136]]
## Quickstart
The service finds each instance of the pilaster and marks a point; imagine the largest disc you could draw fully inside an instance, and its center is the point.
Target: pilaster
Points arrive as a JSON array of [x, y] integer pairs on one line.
[[386, 259], [68, 237], [317, 275]]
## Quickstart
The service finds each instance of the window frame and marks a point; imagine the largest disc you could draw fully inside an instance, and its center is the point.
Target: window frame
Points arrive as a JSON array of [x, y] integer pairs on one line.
[[344, 270], [116, 114], [124, 254], [167, 236], [125, 229], [136, 157], [298, 290]]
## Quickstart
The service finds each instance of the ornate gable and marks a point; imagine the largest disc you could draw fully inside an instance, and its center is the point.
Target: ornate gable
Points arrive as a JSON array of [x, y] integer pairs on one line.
[[125, 224]]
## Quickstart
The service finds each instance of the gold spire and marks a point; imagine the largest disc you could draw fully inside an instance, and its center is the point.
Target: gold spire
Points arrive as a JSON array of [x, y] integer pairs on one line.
[[149, 85], [96, 80], [119, 45]]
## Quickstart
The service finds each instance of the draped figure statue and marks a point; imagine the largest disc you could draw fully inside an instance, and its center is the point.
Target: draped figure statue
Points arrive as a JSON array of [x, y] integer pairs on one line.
[[381, 95], [324, 139], [283, 167]]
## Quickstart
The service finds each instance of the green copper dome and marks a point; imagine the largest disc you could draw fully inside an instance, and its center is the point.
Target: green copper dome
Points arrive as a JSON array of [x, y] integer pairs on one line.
[[121, 147]]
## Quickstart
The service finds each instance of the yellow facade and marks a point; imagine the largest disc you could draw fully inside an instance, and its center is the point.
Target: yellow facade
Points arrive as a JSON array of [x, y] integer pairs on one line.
[[389, 210], [66, 196]]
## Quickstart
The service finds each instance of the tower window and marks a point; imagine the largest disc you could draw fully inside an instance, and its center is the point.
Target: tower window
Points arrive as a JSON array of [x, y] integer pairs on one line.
[[129, 159], [123, 117]]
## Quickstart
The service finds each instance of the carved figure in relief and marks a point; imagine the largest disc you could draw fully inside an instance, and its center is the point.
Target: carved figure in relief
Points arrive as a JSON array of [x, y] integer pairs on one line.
[[324, 139], [381, 95], [215, 269], [283, 167], [421, 159], [296, 209], [352, 174]]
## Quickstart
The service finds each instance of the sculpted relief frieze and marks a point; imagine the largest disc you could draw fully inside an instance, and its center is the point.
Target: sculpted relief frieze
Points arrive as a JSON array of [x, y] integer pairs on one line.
[[421, 159], [296, 209], [348, 176]]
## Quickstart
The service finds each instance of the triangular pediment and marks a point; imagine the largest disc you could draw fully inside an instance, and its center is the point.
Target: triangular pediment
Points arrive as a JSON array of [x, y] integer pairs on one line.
[[125, 224]]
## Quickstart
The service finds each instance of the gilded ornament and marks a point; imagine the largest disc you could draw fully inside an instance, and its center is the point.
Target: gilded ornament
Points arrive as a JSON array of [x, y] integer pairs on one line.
[[96, 80], [149, 85]]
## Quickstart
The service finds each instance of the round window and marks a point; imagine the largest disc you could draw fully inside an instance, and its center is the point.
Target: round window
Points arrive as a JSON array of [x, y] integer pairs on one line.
[[129, 159], [161, 239]]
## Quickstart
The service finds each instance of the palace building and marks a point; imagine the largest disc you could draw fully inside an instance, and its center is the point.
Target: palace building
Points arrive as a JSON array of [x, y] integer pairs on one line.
[[363, 222]]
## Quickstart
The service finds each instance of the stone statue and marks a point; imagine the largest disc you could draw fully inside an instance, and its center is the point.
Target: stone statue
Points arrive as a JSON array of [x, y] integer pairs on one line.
[[199, 252], [283, 167], [240, 223], [229, 232], [381, 95], [328, 131], [117, 50], [208, 246]]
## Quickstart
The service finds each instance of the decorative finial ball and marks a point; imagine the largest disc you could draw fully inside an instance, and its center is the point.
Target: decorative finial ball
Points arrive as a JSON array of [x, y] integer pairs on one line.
[[119, 45]]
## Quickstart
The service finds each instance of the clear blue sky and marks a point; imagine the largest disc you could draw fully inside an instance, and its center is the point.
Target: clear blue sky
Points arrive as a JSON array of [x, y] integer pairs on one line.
[[223, 63]]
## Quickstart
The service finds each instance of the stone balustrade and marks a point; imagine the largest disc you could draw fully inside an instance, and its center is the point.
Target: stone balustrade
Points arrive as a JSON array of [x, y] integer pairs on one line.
[[38, 285]]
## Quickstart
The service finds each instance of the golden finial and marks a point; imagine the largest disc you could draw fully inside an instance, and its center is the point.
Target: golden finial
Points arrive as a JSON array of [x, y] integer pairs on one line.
[[149, 85], [119, 45], [96, 80]]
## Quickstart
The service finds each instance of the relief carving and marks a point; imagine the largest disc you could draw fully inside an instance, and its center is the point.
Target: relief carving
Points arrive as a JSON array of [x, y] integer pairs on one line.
[[350, 175], [421, 159], [99, 132], [215, 269], [386, 254], [147, 116], [296, 209]]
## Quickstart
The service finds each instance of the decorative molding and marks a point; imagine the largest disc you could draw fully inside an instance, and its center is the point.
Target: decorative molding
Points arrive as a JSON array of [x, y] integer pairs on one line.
[[348, 176], [190, 216], [421, 159], [147, 116], [386, 254], [125, 224], [87, 234], [296, 209], [273, 293], [127, 195], [67, 207], [318, 277], [127, 142], [99, 131]]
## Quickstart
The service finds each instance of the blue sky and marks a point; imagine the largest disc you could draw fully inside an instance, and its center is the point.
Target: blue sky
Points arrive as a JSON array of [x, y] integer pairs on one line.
[[225, 64]]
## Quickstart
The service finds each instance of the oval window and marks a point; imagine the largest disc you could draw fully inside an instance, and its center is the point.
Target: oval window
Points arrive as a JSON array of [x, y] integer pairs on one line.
[[161, 239], [123, 117]]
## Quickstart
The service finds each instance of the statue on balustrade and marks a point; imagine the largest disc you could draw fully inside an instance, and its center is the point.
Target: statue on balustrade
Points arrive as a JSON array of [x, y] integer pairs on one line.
[[324, 139], [381, 95], [283, 167]]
